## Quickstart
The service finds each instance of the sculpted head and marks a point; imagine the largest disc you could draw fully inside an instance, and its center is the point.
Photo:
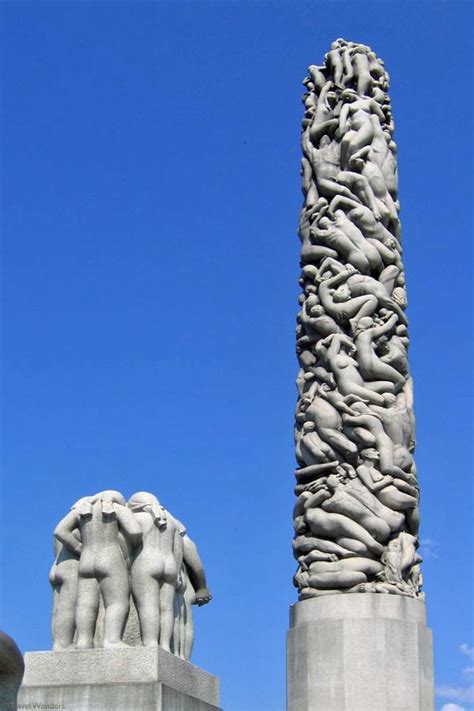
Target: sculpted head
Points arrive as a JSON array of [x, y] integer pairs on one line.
[[308, 427], [316, 310], [309, 272], [311, 301], [333, 481], [331, 99], [363, 324], [350, 95], [370, 454], [357, 164], [141, 499], [111, 496], [342, 293]]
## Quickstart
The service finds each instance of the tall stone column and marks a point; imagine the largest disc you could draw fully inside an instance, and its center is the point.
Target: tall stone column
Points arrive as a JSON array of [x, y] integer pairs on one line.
[[358, 639]]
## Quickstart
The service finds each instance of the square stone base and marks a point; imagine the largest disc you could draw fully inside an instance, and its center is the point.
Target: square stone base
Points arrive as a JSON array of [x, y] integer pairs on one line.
[[122, 679], [359, 652]]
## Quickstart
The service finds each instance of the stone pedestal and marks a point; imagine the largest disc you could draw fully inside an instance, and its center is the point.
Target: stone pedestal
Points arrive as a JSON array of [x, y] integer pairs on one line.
[[359, 652], [116, 680]]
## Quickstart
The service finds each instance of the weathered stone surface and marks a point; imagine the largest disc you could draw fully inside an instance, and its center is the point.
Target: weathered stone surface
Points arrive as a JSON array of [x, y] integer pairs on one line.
[[109, 679], [125, 573], [361, 652], [356, 517], [11, 672], [111, 697]]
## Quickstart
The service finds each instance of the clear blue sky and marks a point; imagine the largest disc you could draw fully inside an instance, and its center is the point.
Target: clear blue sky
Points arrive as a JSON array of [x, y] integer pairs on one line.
[[150, 196]]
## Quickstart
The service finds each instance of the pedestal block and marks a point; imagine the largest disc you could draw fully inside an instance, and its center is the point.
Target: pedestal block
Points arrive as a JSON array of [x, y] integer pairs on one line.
[[359, 652], [121, 679]]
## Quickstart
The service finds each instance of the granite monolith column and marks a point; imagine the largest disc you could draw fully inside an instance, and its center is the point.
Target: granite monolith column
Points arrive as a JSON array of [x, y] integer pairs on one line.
[[358, 639]]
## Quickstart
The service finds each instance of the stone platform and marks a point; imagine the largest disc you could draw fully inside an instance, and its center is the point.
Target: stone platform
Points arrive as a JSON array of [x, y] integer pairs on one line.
[[122, 679], [359, 652]]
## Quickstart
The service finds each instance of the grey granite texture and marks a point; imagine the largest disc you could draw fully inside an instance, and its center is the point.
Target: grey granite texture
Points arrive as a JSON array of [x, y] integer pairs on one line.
[[125, 573], [356, 516], [11, 672], [111, 697], [362, 652], [109, 679]]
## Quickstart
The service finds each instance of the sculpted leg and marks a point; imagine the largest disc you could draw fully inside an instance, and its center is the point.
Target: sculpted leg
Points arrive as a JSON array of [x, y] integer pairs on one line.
[[333, 525], [188, 623], [87, 609], [356, 547], [339, 441], [367, 566], [146, 593], [115, 590], [377, 527], [167, 592], [359, 185], [338, 580], [64, 611]]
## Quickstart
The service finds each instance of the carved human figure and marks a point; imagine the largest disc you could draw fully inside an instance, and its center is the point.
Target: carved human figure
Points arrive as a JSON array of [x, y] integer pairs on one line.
[[324, 120], [63, 578], [393, 352], [394, 493], [399, 557], [367, 428], [155, 568], [386, 206], [192, 590], [315, 321], [336, 297], [373, 230], [103, 564], [398, 424], [338, 61], [370, 366], [338, 351], [313, 449], [355, 124], [363, 285], [350, 531], [331, 181], [328, 422], [340, 234]]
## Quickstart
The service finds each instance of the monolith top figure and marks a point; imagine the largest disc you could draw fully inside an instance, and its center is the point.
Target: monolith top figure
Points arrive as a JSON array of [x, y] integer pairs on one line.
[[356, 517]]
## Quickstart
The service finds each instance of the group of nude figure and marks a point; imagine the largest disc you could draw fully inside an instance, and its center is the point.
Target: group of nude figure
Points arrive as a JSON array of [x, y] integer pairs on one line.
[[356, 516], [113, 556]]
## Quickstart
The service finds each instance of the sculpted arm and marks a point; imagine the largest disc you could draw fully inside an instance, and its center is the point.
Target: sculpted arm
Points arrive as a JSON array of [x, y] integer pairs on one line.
[[375, 109], [337, 341], [344, 117], [64, 532], [331, 283], [365, 477], [196, 572], [378, 331], [128, 524]]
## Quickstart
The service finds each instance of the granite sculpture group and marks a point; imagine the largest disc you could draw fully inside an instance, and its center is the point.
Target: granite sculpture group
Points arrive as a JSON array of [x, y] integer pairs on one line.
[[112, 554], [356, 517]]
